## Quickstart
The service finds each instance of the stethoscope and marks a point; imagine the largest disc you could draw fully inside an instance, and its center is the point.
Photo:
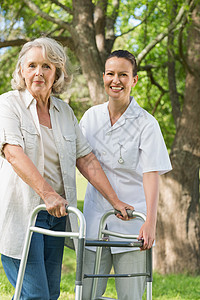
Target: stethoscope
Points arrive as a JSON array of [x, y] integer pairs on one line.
[[120, 160]]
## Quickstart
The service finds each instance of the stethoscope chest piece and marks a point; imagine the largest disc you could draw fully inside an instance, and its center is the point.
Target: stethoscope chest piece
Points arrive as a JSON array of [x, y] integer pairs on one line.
[[120, 160]]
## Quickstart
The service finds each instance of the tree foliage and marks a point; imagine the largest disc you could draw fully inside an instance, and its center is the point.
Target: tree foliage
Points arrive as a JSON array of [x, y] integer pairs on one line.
[[102, 25]]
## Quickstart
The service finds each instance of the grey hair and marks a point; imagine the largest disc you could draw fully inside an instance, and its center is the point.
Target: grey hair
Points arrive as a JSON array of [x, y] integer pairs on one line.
[[52, 51]]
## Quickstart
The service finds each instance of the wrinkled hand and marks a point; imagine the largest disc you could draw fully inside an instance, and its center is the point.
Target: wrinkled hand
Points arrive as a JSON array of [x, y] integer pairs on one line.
[[122, 207], [147, 233], [56, 205]]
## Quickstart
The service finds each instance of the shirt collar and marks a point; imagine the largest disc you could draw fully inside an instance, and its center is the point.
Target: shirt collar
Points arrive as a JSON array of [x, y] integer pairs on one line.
[[54, 103], [28, 99], [132, 111]]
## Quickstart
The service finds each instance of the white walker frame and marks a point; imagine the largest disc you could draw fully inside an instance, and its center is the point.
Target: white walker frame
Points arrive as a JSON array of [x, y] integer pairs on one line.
[[80, 252], [102, 243]]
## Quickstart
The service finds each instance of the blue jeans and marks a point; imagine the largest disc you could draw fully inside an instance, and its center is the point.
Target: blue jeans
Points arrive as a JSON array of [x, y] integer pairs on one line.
[[43, 269]]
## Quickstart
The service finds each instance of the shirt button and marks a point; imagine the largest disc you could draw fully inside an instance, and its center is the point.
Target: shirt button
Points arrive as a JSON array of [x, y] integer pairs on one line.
[[104, 152]]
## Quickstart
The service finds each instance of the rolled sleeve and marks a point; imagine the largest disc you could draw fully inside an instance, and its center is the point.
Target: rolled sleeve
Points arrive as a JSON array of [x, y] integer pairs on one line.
[[10, 132]]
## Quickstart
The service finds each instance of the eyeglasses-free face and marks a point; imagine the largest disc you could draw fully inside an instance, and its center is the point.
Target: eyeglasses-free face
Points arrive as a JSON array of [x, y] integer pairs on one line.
[[118, 78], [39, 73]]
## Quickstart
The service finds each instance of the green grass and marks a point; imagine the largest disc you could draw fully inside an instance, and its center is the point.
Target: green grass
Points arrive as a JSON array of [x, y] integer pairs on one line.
[[171, 287], [165, 287]]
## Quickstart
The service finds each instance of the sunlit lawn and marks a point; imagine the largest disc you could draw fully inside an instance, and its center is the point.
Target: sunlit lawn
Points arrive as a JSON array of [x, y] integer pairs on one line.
[[164, 287], [169, 287]]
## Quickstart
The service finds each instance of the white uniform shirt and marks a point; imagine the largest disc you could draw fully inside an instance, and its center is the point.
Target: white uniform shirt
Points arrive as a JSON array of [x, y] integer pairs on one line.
[[132, 146], [19, 125]]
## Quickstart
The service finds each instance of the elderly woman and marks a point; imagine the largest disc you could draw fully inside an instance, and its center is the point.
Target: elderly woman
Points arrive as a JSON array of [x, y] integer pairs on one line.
[[41, 144]]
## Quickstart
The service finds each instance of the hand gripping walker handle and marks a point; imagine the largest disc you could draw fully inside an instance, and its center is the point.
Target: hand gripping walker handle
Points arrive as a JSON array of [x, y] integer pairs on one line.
[[129, 212]]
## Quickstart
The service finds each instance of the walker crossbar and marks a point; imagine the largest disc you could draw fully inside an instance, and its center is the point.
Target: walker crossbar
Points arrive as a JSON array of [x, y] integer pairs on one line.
[[113, 244], [80, 252], [102, 243], [115, 275]]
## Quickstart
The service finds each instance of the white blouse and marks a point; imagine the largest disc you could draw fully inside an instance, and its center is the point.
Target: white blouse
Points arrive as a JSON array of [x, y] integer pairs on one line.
[[19, 125]]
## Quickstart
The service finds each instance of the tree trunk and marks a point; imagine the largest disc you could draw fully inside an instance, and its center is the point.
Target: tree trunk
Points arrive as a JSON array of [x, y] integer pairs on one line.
[[173, 93], [178, 232], [86, 49]]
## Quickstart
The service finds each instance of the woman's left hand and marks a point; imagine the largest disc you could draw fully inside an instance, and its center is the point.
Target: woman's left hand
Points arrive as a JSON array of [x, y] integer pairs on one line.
[[147, 233]]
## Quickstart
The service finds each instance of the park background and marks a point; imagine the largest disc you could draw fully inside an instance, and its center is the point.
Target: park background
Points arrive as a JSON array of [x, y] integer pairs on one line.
[[165, 38]]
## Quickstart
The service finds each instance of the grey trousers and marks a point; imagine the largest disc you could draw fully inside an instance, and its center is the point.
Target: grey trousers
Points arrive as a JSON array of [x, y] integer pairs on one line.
[[131, 288]]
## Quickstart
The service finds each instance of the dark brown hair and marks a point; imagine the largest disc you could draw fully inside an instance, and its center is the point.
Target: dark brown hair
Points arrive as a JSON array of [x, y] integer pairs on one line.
[[127, 55]]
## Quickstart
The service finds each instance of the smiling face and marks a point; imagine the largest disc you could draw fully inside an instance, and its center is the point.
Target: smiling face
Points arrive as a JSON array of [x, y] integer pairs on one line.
[[118, 78], [39, 73]]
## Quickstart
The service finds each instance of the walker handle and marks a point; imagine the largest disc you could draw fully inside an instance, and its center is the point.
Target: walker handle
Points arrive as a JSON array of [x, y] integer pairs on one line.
[[129, 212], [66, 208]]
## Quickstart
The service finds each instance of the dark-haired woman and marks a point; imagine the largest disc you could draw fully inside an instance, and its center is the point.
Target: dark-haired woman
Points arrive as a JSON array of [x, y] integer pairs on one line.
[[129, 145]]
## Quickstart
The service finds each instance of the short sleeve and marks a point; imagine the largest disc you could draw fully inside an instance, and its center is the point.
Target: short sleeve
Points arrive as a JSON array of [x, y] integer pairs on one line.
[[82, 146], [10, 132], [87, 123], [81, 125], [153, 152]]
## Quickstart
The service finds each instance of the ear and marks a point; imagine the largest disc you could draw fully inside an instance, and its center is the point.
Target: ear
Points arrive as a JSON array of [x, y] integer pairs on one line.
[[22, 71], [104, 78], [135, 80]]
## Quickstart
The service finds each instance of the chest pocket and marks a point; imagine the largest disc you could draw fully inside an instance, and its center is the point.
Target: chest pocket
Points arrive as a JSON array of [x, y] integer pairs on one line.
[[30, 136], [126, 156], [70, 144]]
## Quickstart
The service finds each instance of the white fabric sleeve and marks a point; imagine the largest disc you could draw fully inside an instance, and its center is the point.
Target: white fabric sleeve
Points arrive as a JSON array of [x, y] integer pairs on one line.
[[153, 152], [81, 124], [82, 146], [10, 132]]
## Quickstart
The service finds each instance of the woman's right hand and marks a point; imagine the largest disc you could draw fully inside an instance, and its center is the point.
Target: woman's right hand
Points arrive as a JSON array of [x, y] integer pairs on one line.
[[122, 207], [27, 171], [55, 204]]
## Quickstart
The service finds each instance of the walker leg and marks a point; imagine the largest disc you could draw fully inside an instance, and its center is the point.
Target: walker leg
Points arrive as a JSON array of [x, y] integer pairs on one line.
[[149, 290], [78, 292], [79, 269], [149, 270], [22, 266], [96, 271]]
